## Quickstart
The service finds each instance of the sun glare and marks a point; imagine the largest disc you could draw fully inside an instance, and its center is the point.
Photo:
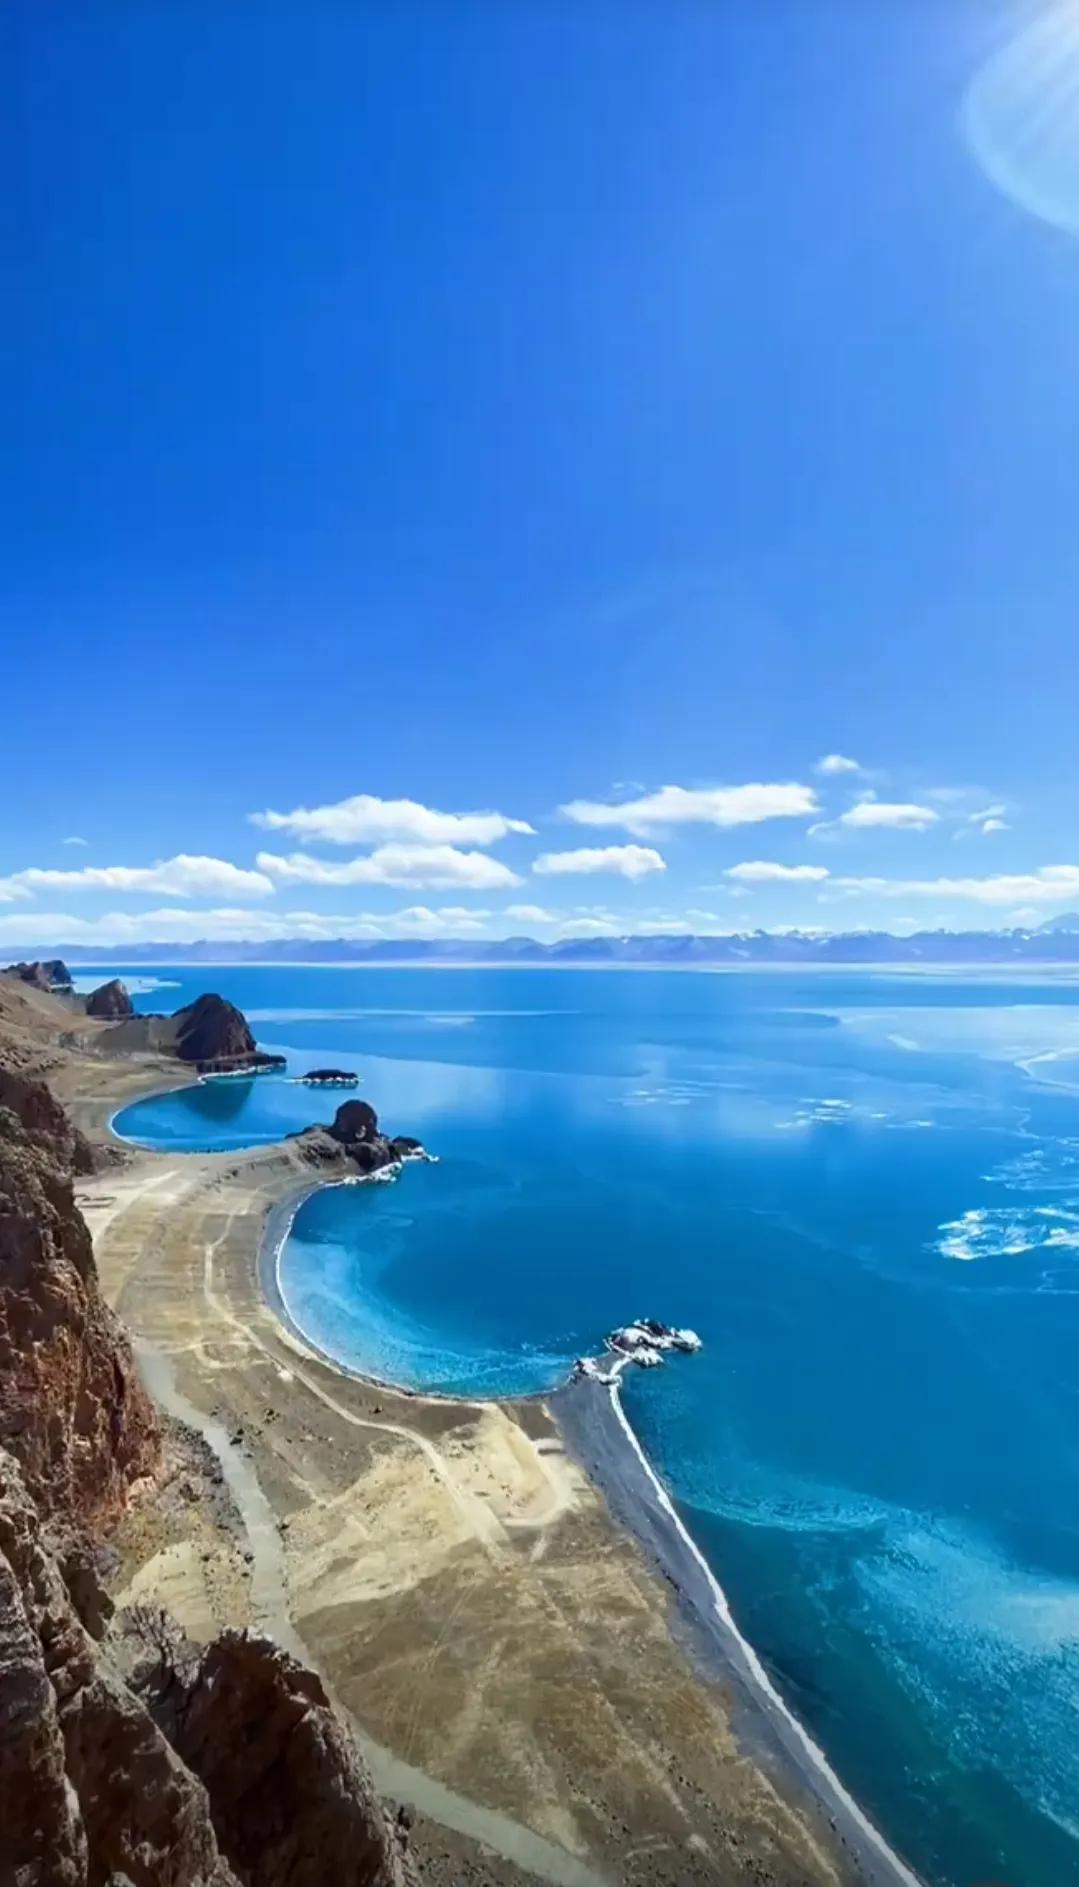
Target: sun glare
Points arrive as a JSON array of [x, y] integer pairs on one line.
[[1021, 118]]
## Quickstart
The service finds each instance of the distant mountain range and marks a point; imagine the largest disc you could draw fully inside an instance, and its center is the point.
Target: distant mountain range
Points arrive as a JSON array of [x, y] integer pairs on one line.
[[1056, 941]]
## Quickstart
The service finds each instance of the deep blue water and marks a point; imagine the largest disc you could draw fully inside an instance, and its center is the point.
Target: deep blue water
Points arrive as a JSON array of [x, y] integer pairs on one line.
[[863, 1190]]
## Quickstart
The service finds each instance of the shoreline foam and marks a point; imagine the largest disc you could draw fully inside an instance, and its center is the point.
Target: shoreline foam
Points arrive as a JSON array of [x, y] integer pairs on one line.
[[699, 1593], [881, 1866]]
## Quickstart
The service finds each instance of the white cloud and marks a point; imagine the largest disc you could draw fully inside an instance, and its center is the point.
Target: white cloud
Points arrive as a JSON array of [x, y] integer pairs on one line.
[[185, 876], [589, 927], [531, 914], [837, 763], [991, 825], [629, 861], [174, 924], [436, 867], [1049, 884], [367, 820], [898, 815], [680, 805], [75, 840], [760, 871]]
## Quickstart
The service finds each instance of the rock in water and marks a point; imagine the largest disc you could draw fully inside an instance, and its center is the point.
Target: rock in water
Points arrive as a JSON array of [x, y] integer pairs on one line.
[[110, 1002]]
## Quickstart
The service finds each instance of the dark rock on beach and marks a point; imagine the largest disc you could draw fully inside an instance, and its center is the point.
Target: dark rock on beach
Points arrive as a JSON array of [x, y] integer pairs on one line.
[[110, 1002]]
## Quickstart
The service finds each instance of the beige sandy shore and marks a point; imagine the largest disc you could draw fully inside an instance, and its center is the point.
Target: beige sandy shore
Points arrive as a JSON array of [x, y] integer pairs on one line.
[[503, 1649]]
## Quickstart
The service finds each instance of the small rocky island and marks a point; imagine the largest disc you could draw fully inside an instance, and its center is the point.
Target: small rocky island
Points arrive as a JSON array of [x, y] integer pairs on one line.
[[645, 1343], [329, 1078]]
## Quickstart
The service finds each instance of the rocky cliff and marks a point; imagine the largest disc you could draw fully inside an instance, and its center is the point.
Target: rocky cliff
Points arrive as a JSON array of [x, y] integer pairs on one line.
[[110, 1002], [126, 1754], [50, 974], [72, 1409]]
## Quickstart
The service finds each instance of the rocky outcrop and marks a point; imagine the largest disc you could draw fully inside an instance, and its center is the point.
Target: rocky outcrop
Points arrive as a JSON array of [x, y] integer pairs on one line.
[[110, 1002], [356, 1140], [72, 1409], [89, 1786], [214, 1034], [293, 1804], [40, 1113], [48, 974]]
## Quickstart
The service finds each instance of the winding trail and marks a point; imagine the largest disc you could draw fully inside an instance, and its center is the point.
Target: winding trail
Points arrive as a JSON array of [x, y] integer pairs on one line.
[[270, 1596]]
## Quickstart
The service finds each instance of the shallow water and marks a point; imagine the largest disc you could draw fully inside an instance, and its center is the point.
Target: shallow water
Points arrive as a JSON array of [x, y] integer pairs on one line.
[[863, 1190]]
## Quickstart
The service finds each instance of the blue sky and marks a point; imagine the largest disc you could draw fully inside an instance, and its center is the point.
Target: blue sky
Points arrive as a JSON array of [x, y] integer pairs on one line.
[[590, 416]]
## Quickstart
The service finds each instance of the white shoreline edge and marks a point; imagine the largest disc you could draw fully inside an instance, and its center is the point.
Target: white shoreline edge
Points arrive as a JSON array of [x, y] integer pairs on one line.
[[811, 1750]]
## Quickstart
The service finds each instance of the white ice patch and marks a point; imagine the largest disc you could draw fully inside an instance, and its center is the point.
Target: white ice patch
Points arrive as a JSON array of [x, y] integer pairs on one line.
[[1007, 1232], [83, 985]]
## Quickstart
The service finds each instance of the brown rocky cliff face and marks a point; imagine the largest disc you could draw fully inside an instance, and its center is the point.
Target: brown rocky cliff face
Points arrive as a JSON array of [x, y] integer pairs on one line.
[[52, 974], [38, 1110], [227, 1768], [292, 1802], [89, 1786], [110, 1001], [72, 1409]]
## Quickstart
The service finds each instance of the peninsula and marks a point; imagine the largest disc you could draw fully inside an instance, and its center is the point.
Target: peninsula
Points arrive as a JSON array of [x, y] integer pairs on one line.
[[478, 1667]]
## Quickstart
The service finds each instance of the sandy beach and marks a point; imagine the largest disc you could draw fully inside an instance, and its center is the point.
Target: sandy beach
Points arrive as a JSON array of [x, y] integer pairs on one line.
[[492, 1592]]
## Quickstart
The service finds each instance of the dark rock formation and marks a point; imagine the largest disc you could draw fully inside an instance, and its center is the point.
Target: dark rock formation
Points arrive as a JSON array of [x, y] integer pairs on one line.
[[354, 1123], [37, 1109], [211, 1029], [51, 974], [356, 1139], [329, 1078], [72, 1409], [214, 1035], [89, 1786], [291, 1800], [110, 1002]]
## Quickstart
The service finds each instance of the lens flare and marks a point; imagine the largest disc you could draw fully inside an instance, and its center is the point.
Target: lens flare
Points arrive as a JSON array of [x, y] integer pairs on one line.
[[1021, 118]]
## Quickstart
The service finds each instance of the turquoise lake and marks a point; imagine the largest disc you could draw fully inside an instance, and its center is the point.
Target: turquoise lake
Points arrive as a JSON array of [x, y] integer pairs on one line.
[[863, 1190]]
